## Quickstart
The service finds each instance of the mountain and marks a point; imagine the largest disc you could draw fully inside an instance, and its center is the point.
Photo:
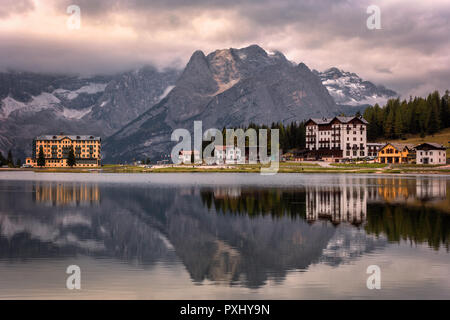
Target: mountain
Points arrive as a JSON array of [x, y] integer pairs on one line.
[[229, 87], [33, 104], [349, 89], [136, 111]]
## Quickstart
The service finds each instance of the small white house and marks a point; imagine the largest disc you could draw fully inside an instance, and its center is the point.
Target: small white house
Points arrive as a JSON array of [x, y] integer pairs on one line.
[[431, 153], [186, 156], [228, 154]]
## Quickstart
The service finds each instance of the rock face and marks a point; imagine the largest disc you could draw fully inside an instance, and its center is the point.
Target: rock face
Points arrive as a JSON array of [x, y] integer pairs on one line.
[[34, 104], [349, 89], [229, 87]]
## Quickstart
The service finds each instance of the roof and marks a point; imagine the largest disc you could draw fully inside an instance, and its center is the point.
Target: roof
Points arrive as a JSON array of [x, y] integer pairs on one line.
[[218, 147], [71, 137], [400, 146], [339, 118], [321, 121], [433, 145], [348, 119]]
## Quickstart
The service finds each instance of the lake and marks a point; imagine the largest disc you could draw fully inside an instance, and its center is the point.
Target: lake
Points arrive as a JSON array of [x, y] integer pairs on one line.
[[224, 235]]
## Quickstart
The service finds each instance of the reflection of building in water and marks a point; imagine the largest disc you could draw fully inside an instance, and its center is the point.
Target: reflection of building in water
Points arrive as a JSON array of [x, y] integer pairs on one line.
[[391, 189], [431, 188], [345, 203], [61, 194], [227, 192], [396, 190]]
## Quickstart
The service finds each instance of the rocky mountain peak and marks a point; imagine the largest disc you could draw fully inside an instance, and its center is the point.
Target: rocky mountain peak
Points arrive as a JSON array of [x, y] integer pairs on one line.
[[348, 88]]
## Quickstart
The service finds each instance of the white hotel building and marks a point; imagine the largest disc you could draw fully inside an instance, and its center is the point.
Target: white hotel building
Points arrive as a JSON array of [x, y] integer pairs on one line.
[[338, 137]]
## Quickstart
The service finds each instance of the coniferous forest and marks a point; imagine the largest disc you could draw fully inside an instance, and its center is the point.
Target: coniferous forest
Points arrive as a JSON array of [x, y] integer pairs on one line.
[[416, 116]]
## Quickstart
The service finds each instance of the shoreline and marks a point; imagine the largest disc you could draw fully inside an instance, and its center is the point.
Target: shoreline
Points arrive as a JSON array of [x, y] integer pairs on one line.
[[284, 168]]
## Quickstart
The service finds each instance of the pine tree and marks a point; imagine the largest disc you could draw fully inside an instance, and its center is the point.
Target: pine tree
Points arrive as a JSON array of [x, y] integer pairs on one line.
[[2, 160], [445, 110], [433, 124], [41, 157], [18, 163], [10, 160], [71, 161], [389, 125], [398, 125]]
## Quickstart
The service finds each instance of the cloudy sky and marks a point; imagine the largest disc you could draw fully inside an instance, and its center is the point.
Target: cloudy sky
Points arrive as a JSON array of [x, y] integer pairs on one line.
[[410, 53]]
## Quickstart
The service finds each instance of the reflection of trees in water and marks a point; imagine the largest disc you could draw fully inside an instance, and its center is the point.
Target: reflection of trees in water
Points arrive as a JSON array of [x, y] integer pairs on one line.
[[415, 224], [400, 208], [256, 202]]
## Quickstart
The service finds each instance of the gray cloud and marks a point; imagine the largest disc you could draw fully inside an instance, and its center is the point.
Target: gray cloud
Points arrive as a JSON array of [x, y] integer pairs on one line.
[[409, 54], [8, 7]]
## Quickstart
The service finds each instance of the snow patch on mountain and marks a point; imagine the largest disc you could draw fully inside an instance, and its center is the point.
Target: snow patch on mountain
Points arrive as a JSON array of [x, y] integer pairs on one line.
[[165, 93], [91, 88], [75, 114], [10, 105], [348, 88], [43, 101]]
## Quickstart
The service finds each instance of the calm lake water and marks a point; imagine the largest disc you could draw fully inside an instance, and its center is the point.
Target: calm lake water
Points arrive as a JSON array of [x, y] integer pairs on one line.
[[224, 236]]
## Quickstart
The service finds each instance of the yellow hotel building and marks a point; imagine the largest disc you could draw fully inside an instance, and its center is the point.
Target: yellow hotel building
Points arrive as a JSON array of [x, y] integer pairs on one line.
[[87, 150], [396, 153]]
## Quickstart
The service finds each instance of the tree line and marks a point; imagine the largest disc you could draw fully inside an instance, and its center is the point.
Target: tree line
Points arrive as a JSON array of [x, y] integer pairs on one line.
[[9, 160], [292, 135], [417, 115]]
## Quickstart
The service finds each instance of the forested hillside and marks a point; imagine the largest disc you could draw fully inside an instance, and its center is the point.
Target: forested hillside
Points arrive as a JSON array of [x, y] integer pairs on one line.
[[417, 116]]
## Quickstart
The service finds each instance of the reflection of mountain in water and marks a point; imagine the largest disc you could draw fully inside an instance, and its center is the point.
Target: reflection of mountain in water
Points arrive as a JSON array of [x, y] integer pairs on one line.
[[235, 235], [28, 230], [239, 248]]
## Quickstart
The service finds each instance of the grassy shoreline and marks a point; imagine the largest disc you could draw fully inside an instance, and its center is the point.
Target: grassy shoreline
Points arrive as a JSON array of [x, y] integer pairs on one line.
[[285, 167]]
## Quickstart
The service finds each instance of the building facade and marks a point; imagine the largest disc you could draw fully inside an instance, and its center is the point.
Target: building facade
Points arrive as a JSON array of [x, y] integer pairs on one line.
[[373, 148], [346, 202], [188, 156], [396, 153], [56, 148], [338, 137], [431, 153], [228, 154]]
